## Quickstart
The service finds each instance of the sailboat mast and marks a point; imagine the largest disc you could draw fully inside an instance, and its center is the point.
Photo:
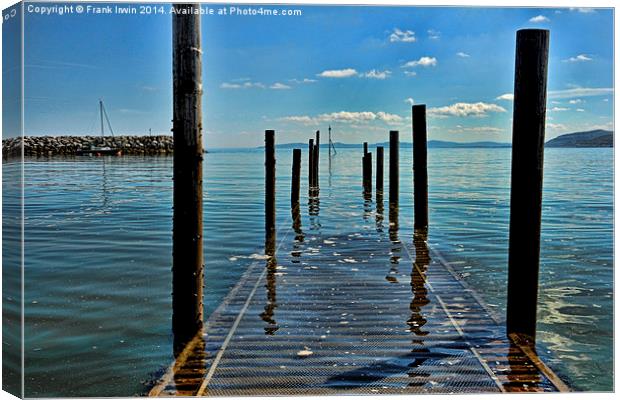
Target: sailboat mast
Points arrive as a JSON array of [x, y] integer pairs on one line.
[[101, 115]]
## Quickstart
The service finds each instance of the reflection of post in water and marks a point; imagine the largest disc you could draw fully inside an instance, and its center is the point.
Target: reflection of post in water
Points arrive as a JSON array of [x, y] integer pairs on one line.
[[367, 204], [104, 185], [418, 283], [188, 381], [396, 244], [268, 314], [314, 206], [379, 212], [418, 301], [299, 233]]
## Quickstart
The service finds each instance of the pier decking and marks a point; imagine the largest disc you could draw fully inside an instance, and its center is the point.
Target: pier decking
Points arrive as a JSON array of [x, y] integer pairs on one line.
[[352, 309]]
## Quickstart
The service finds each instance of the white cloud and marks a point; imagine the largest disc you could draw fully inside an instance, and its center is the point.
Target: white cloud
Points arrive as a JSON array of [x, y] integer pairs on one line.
[[575, 101], [580, 110], [226, 85], [423, 62], [338, 73], [374, 74], [406, 36], [433, 34], [556, 109], [556, 127], [245, 85], [476, 129], [606, 100], [279, 86], [411, 73], [410, 101], [462, 54], [579, 58], [389, 118], [303, 119], [348, 117], [479, 109], [305, 80], [539, 19], [579, 92], [506, 96], [583, 10]]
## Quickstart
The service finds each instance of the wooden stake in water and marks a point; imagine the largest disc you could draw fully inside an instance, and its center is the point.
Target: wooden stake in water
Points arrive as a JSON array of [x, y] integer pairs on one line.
[[295, 173], [270, 182], [317, 151], [420, 174], [310, 163], [187, 253], [379, 168], [528, 141], [394, 167], [367, 160]]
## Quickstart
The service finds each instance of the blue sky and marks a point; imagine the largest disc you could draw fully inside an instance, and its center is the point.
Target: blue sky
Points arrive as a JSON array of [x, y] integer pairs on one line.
[[356, 68]]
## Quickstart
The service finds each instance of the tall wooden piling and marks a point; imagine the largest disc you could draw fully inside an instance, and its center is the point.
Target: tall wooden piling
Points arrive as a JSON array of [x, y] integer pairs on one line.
[[394, 167], [187, 253], [420, 174], [310, 163], [295, 177], [528, 139], [379, 170], [365, 148], [270, 182], [317, 152]]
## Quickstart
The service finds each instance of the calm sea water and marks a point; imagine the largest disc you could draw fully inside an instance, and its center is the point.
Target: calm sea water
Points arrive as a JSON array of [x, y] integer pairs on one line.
[[98, 253]]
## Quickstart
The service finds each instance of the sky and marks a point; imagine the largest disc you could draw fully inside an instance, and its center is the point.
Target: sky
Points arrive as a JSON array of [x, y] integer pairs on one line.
[[356, 68]]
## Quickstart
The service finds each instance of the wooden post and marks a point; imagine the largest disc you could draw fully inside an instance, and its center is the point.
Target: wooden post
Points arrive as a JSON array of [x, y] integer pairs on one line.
[[365, 148], [187, 253], [296, 172], [270, 182], [379, 168], [316, 154], [394, 167], [310, 163], [367, 161], [528, 141], [420, 174]]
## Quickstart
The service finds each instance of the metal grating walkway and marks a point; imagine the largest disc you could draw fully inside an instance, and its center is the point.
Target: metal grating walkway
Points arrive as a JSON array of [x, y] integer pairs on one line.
[[356, 313]]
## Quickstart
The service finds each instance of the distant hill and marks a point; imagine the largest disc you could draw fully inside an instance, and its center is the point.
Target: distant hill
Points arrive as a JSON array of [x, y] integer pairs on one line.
[[596, 138], [405, 145]]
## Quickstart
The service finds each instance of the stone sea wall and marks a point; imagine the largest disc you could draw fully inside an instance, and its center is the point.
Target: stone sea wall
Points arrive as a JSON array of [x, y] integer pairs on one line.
[[70, 145]]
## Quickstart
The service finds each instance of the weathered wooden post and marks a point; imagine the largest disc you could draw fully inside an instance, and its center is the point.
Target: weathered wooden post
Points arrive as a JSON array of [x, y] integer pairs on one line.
[[420, 174], [379, 168], [187, 253], [310, 163], [528, 140], [367, 160], [316, 154], [296, 173], [365, 148], [394, 167], [270, 182]]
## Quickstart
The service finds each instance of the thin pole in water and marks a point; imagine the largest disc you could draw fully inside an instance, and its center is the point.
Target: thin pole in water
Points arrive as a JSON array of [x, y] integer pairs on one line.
[[270, 182], [394, 167], [420, 174], [295, 177]]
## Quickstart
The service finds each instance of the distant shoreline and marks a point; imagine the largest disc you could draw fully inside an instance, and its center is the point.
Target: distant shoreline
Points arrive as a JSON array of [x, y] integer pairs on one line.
[[163, 144]]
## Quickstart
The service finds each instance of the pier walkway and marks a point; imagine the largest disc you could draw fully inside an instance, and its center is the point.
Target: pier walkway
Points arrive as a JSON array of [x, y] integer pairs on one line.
[[354, 309]]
